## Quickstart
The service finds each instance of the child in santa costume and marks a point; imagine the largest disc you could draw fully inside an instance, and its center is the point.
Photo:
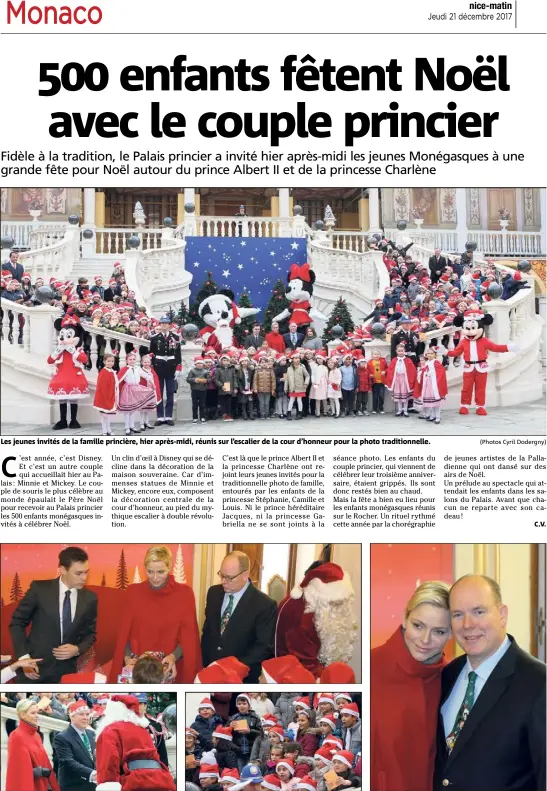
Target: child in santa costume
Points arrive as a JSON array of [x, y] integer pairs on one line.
[[126, 757], [68, 384], [134, 396], [431, 387], [400, 380], [474, 348], [107, 394], [149, 380]]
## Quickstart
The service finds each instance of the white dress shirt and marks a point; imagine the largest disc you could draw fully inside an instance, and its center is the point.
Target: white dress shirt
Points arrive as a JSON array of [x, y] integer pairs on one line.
[[451, 706], [73, 600]]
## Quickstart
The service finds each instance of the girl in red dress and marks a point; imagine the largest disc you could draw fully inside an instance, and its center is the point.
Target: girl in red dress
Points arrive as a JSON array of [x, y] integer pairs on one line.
[[107, 394], [29, 768], [431, 387], [68, 384], [400, 379], [159, 616], [405, 689]]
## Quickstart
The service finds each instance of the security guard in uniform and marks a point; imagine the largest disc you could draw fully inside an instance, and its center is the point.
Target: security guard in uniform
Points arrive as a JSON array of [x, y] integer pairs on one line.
[[167, 363]]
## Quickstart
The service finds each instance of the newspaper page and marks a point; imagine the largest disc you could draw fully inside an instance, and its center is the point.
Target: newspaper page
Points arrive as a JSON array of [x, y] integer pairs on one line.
[[272, 272]]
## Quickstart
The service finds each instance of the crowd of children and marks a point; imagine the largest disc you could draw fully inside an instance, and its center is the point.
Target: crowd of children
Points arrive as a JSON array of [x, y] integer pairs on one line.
[[310, 741]]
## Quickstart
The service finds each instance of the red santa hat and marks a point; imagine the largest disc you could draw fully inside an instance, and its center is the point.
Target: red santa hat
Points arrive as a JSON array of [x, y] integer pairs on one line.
[[223, 733], [343, 696], [122, 708], [191, 733], [345, 756], [206, 704], [307, 783], [473, 314], [350, 708], [279, 730], [333, 743], [517, 276], [287, 763], [326, 583], [229, 776], [326, 697], [286, 670], [302, 703], [208, 770], [329, 720], [323, 754], [228, 670], [272, 782], [338, 673], [245, 696], [198, 359], [269, 721], [78, 707], [97, 278]]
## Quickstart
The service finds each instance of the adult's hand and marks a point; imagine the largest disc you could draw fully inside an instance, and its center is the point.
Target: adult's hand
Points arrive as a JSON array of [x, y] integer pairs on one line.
[[129, 661], [65, 651], [169, 665], [29, 667]]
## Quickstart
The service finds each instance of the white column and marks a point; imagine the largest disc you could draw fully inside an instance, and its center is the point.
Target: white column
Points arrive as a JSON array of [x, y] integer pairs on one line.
[[542, 302], [89, 205], [189, 195], [374, 210], [542, 220], [284, 204], [461, 218]]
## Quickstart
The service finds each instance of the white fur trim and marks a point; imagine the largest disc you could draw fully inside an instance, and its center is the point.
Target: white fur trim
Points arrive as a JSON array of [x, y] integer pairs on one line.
[[318, 591], [350, 712], [296, 592], [116, 711], [109, 787], [286, 765], [328, 722], [338, 757], [271, 786], [326, 761], [223, 736], [268, 678], [306, 786], [208, 774]]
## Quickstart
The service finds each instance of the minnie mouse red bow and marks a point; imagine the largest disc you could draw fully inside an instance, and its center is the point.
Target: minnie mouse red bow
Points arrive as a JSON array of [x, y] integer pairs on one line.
[[301, 272]]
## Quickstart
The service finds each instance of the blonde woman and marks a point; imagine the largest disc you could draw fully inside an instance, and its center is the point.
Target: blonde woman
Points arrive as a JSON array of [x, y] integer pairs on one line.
[[29, 768], [159, 617], [405, 676]]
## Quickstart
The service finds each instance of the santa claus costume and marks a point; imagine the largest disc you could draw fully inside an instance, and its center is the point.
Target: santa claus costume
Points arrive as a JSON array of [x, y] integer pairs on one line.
[[126, 757], [68, 384], [158, 620], [315, 623], [400, 379], [107, 393], [474, 348], [26, 753], [431, 386]]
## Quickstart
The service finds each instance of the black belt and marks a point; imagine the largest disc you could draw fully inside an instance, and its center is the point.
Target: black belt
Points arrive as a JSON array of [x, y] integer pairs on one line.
[[474, 362], [143, 764]]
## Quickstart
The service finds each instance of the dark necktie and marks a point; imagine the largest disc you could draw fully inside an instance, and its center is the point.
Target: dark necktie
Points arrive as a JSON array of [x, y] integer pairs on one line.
[[227, 613], [463, 713], [293, 339], [67, 616], [87, 745]]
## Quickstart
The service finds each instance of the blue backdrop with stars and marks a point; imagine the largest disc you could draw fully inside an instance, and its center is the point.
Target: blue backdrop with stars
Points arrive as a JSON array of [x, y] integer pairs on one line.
[[250, 265]]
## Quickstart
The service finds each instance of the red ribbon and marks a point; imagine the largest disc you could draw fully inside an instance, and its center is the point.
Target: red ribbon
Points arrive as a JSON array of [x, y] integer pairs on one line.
[[301, 272]]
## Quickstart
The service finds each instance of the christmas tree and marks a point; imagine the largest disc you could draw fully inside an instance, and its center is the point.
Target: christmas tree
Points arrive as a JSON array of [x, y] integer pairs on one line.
[[158, 702], [16, 592], [178, 569], [122, 578], [183, 315], [339, 315], [241, 331], [207, 289], [277, 303], [136, 576]]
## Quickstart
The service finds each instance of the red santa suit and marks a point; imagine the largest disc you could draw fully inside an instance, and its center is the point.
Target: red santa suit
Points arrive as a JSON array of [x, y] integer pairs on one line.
[[157, 620], [68, 383], [126, 757], [475, 369], [107, 394], [315, 623], [25, 752], [299, 312]]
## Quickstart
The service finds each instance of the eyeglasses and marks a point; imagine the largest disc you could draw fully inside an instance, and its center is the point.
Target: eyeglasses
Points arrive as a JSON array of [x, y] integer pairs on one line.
[[229, 579]]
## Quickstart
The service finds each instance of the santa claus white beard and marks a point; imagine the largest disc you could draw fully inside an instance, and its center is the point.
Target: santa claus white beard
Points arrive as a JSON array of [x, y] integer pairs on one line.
[[225, 336], [337, 630]]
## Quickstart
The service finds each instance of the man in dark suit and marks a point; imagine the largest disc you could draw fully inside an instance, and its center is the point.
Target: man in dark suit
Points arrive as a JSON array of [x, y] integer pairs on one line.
[[239, 619], [437, 265], [62, 616], [167, 363], [255, 339], [75, 751], [491, 729], [13, 266], [292, 338]]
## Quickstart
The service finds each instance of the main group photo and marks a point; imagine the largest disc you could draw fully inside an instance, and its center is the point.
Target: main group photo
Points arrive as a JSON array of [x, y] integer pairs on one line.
[[87, 741], [276, 741], [406, 311], [186, 613]]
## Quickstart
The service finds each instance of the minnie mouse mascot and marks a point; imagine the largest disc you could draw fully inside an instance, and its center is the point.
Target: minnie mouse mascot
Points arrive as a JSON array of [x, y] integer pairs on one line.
[[299, 291], [68, 384], [475, 347]]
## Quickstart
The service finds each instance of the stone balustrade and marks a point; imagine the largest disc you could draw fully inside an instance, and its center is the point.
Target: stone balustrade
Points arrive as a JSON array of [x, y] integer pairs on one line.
[[55, 259], [49, 726], [113, 241]]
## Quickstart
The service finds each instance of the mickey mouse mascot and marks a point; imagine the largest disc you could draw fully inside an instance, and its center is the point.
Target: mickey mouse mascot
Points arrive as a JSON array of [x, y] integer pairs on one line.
[[474, 347], [221, 314], [68, 384]]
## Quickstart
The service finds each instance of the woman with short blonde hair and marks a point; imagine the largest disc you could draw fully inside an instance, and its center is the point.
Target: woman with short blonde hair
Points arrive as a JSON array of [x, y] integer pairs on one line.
[[405, 693], [29, 767], [159, 618]]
